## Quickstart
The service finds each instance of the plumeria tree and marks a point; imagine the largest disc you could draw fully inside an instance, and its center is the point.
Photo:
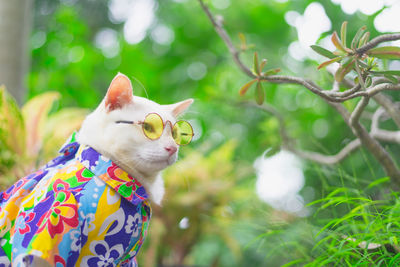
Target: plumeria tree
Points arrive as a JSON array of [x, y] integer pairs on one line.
[[372, 82]]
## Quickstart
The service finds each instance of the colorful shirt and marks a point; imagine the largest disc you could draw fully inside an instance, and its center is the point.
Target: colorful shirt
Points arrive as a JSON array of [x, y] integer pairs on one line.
[[81, 209]]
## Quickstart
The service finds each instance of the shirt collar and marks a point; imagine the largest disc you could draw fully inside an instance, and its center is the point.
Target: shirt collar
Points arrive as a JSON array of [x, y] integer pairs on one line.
[[106, 170]]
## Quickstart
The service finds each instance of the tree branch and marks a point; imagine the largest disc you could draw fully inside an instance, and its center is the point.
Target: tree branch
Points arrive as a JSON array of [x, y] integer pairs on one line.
[[333, 98], [355, 115], [377, 40], [371, 144], [289, 144], [389, 106], [228, 42], [326, 95], [329, 159]]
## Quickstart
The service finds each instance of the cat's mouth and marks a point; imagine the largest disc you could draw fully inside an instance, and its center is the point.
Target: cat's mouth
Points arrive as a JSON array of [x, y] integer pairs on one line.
[[168, 161], [161, 162]]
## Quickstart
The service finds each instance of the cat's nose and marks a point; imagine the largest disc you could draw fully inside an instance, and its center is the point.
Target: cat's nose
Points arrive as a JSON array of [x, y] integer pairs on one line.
[[171, 149]]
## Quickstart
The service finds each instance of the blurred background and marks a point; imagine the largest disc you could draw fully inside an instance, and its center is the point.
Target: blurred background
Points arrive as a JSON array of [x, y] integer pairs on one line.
[[233, 198]]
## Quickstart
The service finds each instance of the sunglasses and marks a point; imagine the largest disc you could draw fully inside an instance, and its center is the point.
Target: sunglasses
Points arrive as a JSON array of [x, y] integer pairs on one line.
[[153, 127]]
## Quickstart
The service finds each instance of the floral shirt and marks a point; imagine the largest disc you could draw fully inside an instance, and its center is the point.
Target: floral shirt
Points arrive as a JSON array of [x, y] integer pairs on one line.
[[79, 210]]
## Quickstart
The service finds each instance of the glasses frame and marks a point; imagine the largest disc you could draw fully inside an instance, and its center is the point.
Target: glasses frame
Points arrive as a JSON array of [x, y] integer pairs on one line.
[[164, 123]]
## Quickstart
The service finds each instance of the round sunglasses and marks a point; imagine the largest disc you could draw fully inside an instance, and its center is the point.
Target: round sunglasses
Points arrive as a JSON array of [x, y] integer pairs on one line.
[[153, 127]]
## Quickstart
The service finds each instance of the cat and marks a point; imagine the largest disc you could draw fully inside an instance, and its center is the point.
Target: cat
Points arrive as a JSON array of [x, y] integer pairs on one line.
[[91, 205], [139, 156]]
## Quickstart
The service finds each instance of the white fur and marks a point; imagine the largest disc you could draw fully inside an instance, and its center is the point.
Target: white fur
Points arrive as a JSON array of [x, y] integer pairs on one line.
[[126, 144]]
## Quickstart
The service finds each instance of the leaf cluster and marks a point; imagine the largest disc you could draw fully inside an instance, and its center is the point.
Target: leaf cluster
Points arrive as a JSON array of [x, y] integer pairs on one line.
[[350, 59], [31, 135], [258, 72]]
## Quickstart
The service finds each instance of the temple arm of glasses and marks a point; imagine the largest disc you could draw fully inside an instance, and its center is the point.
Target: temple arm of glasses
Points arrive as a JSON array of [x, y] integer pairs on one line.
[[186, 134], [128, 122]]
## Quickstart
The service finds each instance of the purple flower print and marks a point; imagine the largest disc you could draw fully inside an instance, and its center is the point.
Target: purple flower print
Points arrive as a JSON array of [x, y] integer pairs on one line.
[[132, 224], [102, 255]]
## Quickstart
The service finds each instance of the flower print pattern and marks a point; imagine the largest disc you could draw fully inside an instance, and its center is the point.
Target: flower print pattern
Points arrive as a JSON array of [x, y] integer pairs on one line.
[[59, 215], [70, 214], [62, 212], [88, 224], [132, 224], [75, 240], [103, 255], [128, 187], [26, 218]]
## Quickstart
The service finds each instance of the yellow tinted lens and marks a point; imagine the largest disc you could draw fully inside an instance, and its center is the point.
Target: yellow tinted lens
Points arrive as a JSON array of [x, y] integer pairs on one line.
[[153, 126], [182, 132]]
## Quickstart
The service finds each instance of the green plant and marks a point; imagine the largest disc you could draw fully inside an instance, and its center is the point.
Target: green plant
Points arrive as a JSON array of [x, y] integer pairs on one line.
[[196, 192], [31, 135], [365, 231]]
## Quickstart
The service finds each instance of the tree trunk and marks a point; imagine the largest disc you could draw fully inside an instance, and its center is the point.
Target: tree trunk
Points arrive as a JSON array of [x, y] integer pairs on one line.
[[15, 26]]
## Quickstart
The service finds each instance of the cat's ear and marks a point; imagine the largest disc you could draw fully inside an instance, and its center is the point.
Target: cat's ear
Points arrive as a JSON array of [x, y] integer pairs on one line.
[[119, 93], [180, 107]]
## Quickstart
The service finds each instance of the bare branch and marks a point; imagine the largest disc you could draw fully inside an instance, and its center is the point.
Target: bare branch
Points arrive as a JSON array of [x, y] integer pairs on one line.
[[228, 42], [383, 87], [355, 116], [375, 119], [289, 144], [389, 106], [346, 93], [296, 80], [377, 40], [387, 136], [370, 143], [331, 159], [375, 147]]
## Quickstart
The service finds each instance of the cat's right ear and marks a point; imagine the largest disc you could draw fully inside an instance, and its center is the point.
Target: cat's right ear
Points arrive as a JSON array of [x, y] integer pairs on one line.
[[120, 93]]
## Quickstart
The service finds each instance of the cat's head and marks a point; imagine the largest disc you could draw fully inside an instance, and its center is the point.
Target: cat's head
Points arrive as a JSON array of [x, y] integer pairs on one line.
[[126, 143]]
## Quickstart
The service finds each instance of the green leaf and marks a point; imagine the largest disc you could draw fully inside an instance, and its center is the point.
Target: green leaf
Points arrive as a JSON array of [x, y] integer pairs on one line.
[[344, 69], [260, 94], [322, 51], [379, 181], [368, 81], [364, 39], [35, 113], [343, 33], [12, 127], [357, 37], [346, 60], [243, 44], [246, 87], [392, 79], [256, 66], [337, 43], [388, 52], [262, 64], [271, 72], [390, 72], [328, 62], [362, 64]]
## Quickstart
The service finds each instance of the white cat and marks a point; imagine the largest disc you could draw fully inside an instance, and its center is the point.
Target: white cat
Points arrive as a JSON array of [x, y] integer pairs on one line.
[[89, 206], [126, 144]]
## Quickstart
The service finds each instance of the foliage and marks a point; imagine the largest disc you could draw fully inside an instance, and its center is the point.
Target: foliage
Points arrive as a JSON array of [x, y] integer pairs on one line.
[[365, 233], [360, 57], [196, 203], [31, 136], [350, 59]]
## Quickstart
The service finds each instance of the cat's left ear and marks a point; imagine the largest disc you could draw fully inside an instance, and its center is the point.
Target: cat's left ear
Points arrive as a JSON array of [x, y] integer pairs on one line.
[[120, 93], [180, 107]]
